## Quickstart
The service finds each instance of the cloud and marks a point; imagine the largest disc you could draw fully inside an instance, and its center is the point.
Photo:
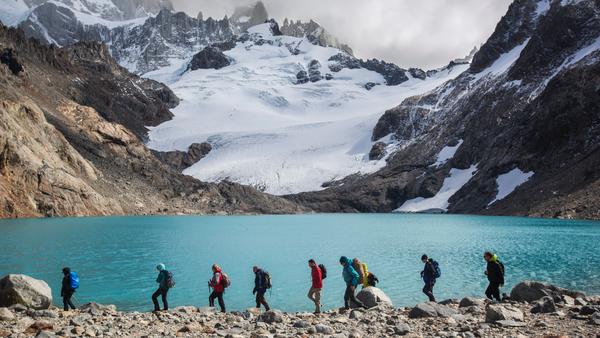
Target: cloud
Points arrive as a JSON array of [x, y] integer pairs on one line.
[[424, 33]]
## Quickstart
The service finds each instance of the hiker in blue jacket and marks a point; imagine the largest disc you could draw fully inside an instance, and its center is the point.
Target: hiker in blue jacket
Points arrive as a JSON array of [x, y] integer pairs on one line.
[[428, 275], [261, 284], [352, 279], [163, 288], [67, 290]]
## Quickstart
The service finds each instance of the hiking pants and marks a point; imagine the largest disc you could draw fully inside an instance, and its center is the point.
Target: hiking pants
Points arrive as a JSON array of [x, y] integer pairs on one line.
[[219, 296], [350, 297], [428, 290], [163, 293], [493, 291], [67, 300], [260, 299], [314, 294]]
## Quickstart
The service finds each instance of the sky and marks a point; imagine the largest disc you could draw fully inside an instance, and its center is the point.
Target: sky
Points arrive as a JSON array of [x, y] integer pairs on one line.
[[411, 33]]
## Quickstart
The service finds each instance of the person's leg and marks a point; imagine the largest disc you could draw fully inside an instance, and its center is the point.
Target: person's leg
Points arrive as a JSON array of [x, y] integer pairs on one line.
[[70, 302], [211, 298], [257, 300], [428, 290], [317, 296], [354, 299], [496, 292], [262, 300], [347, 297], [65, 302], [155, 299], [221, 301], [164, 299], [310, 294]]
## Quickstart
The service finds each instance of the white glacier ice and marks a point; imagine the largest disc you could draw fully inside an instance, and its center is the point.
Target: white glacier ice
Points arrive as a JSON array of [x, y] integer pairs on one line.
[[271, 133], [507, 183]]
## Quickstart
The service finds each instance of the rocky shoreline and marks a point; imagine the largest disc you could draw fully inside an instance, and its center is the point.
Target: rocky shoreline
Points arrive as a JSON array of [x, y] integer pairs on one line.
[[535, 310]]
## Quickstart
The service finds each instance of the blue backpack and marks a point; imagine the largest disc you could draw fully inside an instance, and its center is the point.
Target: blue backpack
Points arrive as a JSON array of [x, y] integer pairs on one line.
[[74, 280], [438, 271]]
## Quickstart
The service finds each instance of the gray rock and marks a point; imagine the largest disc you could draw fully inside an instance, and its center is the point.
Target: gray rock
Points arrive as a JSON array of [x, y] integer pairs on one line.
[[372, 296], [589, 309], [510, 323], [324, 329], [370, 85], [595, 319], [431, 309], [45, 334], [449, 301], [544, 305], [302, 324], [314, 71], [471, 301], [530, 291], [402, 329], [302, 77], [356, 314], [377, 151], [43, 314], [25, 290], [6, 315], [18, 308], [497, 312], [209, 58], [580, 301], [272, 316]]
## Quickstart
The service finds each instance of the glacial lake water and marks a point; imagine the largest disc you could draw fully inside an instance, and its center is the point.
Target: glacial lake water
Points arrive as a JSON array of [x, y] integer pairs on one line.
[[116, 256]]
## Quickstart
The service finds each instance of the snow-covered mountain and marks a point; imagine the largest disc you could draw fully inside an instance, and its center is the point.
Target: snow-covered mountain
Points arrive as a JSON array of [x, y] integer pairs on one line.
[[286, 115], [515, 134]]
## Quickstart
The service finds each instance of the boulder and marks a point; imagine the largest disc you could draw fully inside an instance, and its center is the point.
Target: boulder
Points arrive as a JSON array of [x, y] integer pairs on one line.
[[272, 316], [499, 312], [25, 290], [589, 309], [595, 319], [372, 296], [6, 315], [377, 151], [323, 329], [302, 77], [544, 305], [314, 71], [530, 291], [431, 309], [96, 309], [471, 301], [209, 58], [402, 329]]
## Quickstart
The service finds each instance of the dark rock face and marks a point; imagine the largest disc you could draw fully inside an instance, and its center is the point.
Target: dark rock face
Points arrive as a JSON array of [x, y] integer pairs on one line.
[[417, 73], [392, 74], [302, 77], [8, 58], [513, 29], [341, 61], [180, 160], [209, 58], [274, 26], [245, 17], [377, 151], [533, 116], [314, 71], [370, 85]]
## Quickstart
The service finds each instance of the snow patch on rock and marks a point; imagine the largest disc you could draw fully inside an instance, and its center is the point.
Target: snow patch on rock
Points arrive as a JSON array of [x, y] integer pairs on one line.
[[452, 184], [446, 154], [507, 183]]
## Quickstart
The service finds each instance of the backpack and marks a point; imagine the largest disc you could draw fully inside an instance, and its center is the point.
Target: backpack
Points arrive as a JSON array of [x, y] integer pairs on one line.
[[438, 271], [225, 281], [501, 268], [267, 280], [73, 280], [323, 271], [169, 282]]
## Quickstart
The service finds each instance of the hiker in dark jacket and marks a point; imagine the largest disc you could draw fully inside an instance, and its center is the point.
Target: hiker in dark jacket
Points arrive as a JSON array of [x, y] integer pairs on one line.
[[314, 293], [428, 275], [66, 292], [163, 288], [260, 287], [352, 279], [217, 284], [495, 275]]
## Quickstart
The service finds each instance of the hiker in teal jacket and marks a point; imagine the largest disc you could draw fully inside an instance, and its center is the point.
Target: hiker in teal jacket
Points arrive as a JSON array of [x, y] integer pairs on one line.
[[352, 278], [163, 288]]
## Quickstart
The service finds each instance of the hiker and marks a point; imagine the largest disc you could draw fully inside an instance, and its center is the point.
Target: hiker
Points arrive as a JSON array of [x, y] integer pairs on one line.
[[428, 275], [262, 282], [218, 283], [163, 287], [314, 293], [351, 277], [495, 275], [362, 270], [70, 283]]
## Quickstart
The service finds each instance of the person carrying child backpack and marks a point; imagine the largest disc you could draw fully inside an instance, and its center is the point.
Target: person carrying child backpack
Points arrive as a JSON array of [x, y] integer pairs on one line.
[[218, 283], [70, 283]]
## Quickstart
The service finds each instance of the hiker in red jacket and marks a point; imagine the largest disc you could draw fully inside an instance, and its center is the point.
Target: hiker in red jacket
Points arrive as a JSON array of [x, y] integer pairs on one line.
[[314, 293], [217, 283]]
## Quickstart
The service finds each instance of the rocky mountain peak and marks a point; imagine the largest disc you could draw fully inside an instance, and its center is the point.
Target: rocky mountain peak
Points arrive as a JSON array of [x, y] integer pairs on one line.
[[245, 17]]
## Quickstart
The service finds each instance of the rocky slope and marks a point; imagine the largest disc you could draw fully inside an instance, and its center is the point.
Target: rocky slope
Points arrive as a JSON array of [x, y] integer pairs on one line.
[[515, 134], [71, 123], [559, 315]]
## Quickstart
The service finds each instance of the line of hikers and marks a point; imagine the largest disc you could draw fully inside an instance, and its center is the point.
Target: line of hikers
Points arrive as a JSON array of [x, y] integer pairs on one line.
[[354, 273]]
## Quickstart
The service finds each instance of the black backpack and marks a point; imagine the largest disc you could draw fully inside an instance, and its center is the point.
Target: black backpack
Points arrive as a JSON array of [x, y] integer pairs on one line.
[[323, 271], [267, 280], [501, 267], [170, 282]]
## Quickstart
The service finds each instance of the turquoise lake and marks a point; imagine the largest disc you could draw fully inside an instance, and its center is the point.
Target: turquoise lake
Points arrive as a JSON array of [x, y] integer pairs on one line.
[[116, 256]]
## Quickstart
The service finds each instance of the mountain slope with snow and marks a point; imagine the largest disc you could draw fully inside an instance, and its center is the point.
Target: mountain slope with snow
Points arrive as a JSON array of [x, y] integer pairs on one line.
[[271, 132]]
